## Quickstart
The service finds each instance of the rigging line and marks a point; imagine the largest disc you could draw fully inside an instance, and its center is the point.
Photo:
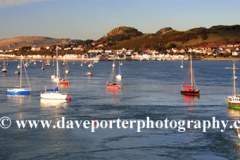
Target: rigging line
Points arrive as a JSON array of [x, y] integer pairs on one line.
[[26, 76], [187, 76], [15, 84]]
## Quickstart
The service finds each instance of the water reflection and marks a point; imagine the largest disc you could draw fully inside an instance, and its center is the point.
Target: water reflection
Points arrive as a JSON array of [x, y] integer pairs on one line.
[[65, 85], [19, 98], [189, 100], [234, 112], [114, 95], [53, 103]]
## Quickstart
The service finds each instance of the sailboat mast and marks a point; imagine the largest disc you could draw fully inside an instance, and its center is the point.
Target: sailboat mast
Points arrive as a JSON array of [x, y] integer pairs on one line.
[[234, 78], [57, 64], [57, 60], [21, 74], [234, 84], [65, 73], [191, 70], [113, 70]]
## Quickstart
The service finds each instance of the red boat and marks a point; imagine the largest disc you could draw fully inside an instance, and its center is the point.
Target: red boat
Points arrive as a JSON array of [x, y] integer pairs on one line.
[[190, 92], [111, 85], [64, 82], [190, 83]]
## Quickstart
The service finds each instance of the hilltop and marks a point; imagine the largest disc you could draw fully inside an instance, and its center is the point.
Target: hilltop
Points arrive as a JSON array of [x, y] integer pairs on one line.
[[119, 34], [213, 36], [18, 42]]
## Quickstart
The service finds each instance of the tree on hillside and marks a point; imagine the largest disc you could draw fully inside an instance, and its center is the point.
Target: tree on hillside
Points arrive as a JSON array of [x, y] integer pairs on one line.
[[25, 48], [172, 45]]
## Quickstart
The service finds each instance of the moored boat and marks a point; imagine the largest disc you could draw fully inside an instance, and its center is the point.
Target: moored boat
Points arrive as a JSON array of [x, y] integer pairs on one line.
[[89, 73], [119, 76], [65, 81], [4, 70], [53, 94], [111, 83], [189, 85], [234, 100], [17, 72], [19, 89]]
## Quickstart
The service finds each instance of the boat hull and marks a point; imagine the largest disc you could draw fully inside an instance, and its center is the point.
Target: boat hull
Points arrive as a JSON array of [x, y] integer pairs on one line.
[[114, 87], [64, 83], [19, 91], [191, 93], [53, 76], [234, 105], [53, 96]]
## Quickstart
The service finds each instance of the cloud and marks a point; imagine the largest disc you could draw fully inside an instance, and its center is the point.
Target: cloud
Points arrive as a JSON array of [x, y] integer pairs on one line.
[[10, 3]]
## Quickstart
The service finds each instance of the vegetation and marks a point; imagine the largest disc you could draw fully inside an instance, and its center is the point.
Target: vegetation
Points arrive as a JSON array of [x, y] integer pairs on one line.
[[131, 38]]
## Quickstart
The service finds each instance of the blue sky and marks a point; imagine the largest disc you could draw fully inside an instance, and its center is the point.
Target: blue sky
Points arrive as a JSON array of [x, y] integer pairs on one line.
[[92, 19]]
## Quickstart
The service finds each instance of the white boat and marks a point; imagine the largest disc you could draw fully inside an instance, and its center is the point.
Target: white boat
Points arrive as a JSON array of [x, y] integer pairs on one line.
[[56, 79], [66, 68], [182, 64], [53, 76], [42, 66], [4, 70], [67, 71], [19, 89], [48, 63], [234, 100], [119, 76], [18, 67], [26, 64], [53, 94], [90, 64], [89, 73]]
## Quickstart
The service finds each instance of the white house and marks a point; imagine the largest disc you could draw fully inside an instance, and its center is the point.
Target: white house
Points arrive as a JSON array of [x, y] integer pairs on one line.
[[235, 53]]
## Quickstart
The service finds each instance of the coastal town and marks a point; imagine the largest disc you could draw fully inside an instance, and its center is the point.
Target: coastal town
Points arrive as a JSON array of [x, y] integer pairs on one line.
[[99, 53]]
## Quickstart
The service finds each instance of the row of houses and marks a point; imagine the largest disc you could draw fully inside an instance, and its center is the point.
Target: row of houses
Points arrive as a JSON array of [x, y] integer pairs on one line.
[[230, 49], [223, 49]]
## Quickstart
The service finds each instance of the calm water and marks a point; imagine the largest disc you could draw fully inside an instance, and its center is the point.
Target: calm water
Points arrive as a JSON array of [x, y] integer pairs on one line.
[[150, 89]]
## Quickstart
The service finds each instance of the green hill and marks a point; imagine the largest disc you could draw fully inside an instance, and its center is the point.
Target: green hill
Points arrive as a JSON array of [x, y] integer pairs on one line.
[[119, 34], [215, 35]]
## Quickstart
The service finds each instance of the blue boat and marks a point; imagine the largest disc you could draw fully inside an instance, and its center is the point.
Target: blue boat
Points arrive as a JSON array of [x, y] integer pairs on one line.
[[19, 89]]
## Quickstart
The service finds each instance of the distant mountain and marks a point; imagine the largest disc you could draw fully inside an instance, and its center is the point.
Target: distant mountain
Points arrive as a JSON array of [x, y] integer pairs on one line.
[[18, 42]]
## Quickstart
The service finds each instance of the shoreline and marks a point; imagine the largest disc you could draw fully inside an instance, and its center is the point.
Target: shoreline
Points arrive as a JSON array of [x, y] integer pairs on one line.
[[96, 59]]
